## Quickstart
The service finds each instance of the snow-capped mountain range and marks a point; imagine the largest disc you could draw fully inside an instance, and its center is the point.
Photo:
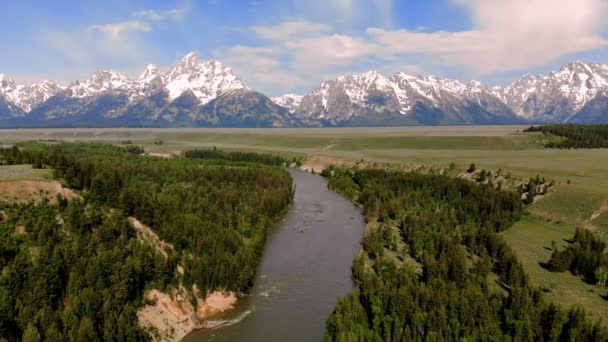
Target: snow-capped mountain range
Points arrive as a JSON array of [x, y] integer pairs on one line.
[[27, 97], [196, 92], [371, 98], [558, 96], [562, 96], [191, 93]]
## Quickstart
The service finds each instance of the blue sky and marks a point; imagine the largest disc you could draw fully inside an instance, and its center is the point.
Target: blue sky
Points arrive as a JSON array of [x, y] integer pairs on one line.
[[280, 46]]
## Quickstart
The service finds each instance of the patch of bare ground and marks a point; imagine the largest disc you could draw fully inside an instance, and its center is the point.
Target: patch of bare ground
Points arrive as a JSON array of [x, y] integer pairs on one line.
[[33, 190], [20, 230], [171, 316], [602, 210], [317, 163], [146, 234], [163, 154], [589, 224]]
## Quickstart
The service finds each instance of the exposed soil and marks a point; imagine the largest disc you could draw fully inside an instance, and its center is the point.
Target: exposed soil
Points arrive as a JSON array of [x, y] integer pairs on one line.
[[146, 234], [602, 209], [33, 190], [162, 154], [171, 316], [20, 230]]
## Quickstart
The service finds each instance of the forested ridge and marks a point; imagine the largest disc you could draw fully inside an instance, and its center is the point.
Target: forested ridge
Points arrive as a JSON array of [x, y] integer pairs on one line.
[[76, 270], [576, 136], [434, 268]]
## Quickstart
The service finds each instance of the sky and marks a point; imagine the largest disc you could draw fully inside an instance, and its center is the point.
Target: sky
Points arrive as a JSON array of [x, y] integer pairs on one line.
[[290, 46]]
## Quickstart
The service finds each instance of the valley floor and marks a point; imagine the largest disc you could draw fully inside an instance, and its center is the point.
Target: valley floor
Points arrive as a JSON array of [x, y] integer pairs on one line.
[[580, 193]]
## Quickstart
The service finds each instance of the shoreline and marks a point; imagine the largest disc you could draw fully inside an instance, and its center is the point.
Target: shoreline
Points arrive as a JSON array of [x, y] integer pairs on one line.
[[171, 316]]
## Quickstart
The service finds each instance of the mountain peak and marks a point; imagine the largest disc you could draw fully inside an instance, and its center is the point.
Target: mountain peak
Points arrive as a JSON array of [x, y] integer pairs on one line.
[[206, 79], [190, 56], [107, 75], [5, 81], [150, 72], [189, 61]]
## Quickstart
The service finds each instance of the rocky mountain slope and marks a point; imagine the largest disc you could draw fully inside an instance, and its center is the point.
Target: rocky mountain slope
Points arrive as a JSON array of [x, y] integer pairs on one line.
[[558, 96], [289, 101], [182, 96], [202, 93], [372, 99]]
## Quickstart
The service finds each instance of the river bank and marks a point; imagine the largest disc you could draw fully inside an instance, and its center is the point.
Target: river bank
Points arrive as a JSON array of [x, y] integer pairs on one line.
[[305, 268]]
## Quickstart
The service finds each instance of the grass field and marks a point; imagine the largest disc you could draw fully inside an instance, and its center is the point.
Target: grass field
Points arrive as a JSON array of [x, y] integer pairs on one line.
[[581, 175], [22, 172]]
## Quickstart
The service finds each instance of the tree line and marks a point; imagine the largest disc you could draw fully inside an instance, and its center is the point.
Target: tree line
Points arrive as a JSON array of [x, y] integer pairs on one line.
[[585, 256], [575, 136], [79, 272], [237, 156], [436, 269]]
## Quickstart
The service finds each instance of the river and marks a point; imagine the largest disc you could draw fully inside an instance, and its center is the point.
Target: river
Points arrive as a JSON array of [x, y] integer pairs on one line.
[[305, 268]]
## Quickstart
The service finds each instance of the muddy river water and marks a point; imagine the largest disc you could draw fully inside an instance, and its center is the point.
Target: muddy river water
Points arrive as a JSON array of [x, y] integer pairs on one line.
[[305, 268]]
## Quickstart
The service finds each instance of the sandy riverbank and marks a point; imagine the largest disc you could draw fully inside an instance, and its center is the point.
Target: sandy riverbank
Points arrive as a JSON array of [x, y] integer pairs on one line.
[[171, 316]]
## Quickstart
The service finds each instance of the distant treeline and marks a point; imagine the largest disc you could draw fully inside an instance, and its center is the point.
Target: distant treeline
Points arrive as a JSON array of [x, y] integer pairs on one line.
[[576, 136], [585, 256], [435, 269], [77, 272], [235, 156]]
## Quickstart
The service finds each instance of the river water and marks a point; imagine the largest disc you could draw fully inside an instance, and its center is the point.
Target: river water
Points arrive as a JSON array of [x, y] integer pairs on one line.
[[305, 268]]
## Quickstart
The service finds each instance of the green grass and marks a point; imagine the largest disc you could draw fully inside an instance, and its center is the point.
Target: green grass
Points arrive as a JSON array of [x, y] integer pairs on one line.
[[491, 147], [531, 239], [23, 172]]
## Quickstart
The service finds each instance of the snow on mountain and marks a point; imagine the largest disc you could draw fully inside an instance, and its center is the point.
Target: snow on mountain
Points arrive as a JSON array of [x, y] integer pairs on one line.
[[27, 97], [289, 101], [401, 98], [347, 96], [150, 73], [101, 81], [555, 97], [372, 93], [205, 79]]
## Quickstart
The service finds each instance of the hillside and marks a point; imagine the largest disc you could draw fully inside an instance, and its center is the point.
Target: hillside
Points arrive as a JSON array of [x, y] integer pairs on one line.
[[187, 230]]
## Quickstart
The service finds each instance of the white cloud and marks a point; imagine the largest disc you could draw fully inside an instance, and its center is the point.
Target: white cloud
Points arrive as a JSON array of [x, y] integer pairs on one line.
[[290, 29], [152, 15], [325, 52], [508, 35], [261, 66], [143, 22], [117, 30], [348, 13], [116, 43]]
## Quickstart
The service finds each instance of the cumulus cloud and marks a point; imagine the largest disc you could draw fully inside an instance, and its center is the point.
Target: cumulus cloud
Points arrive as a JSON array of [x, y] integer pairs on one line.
[[325, 52], [508, 35], [261, 66]]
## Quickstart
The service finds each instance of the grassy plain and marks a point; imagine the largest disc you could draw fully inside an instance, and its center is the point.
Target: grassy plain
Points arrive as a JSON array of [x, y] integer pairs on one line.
[[23, 172], [581, 176]]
